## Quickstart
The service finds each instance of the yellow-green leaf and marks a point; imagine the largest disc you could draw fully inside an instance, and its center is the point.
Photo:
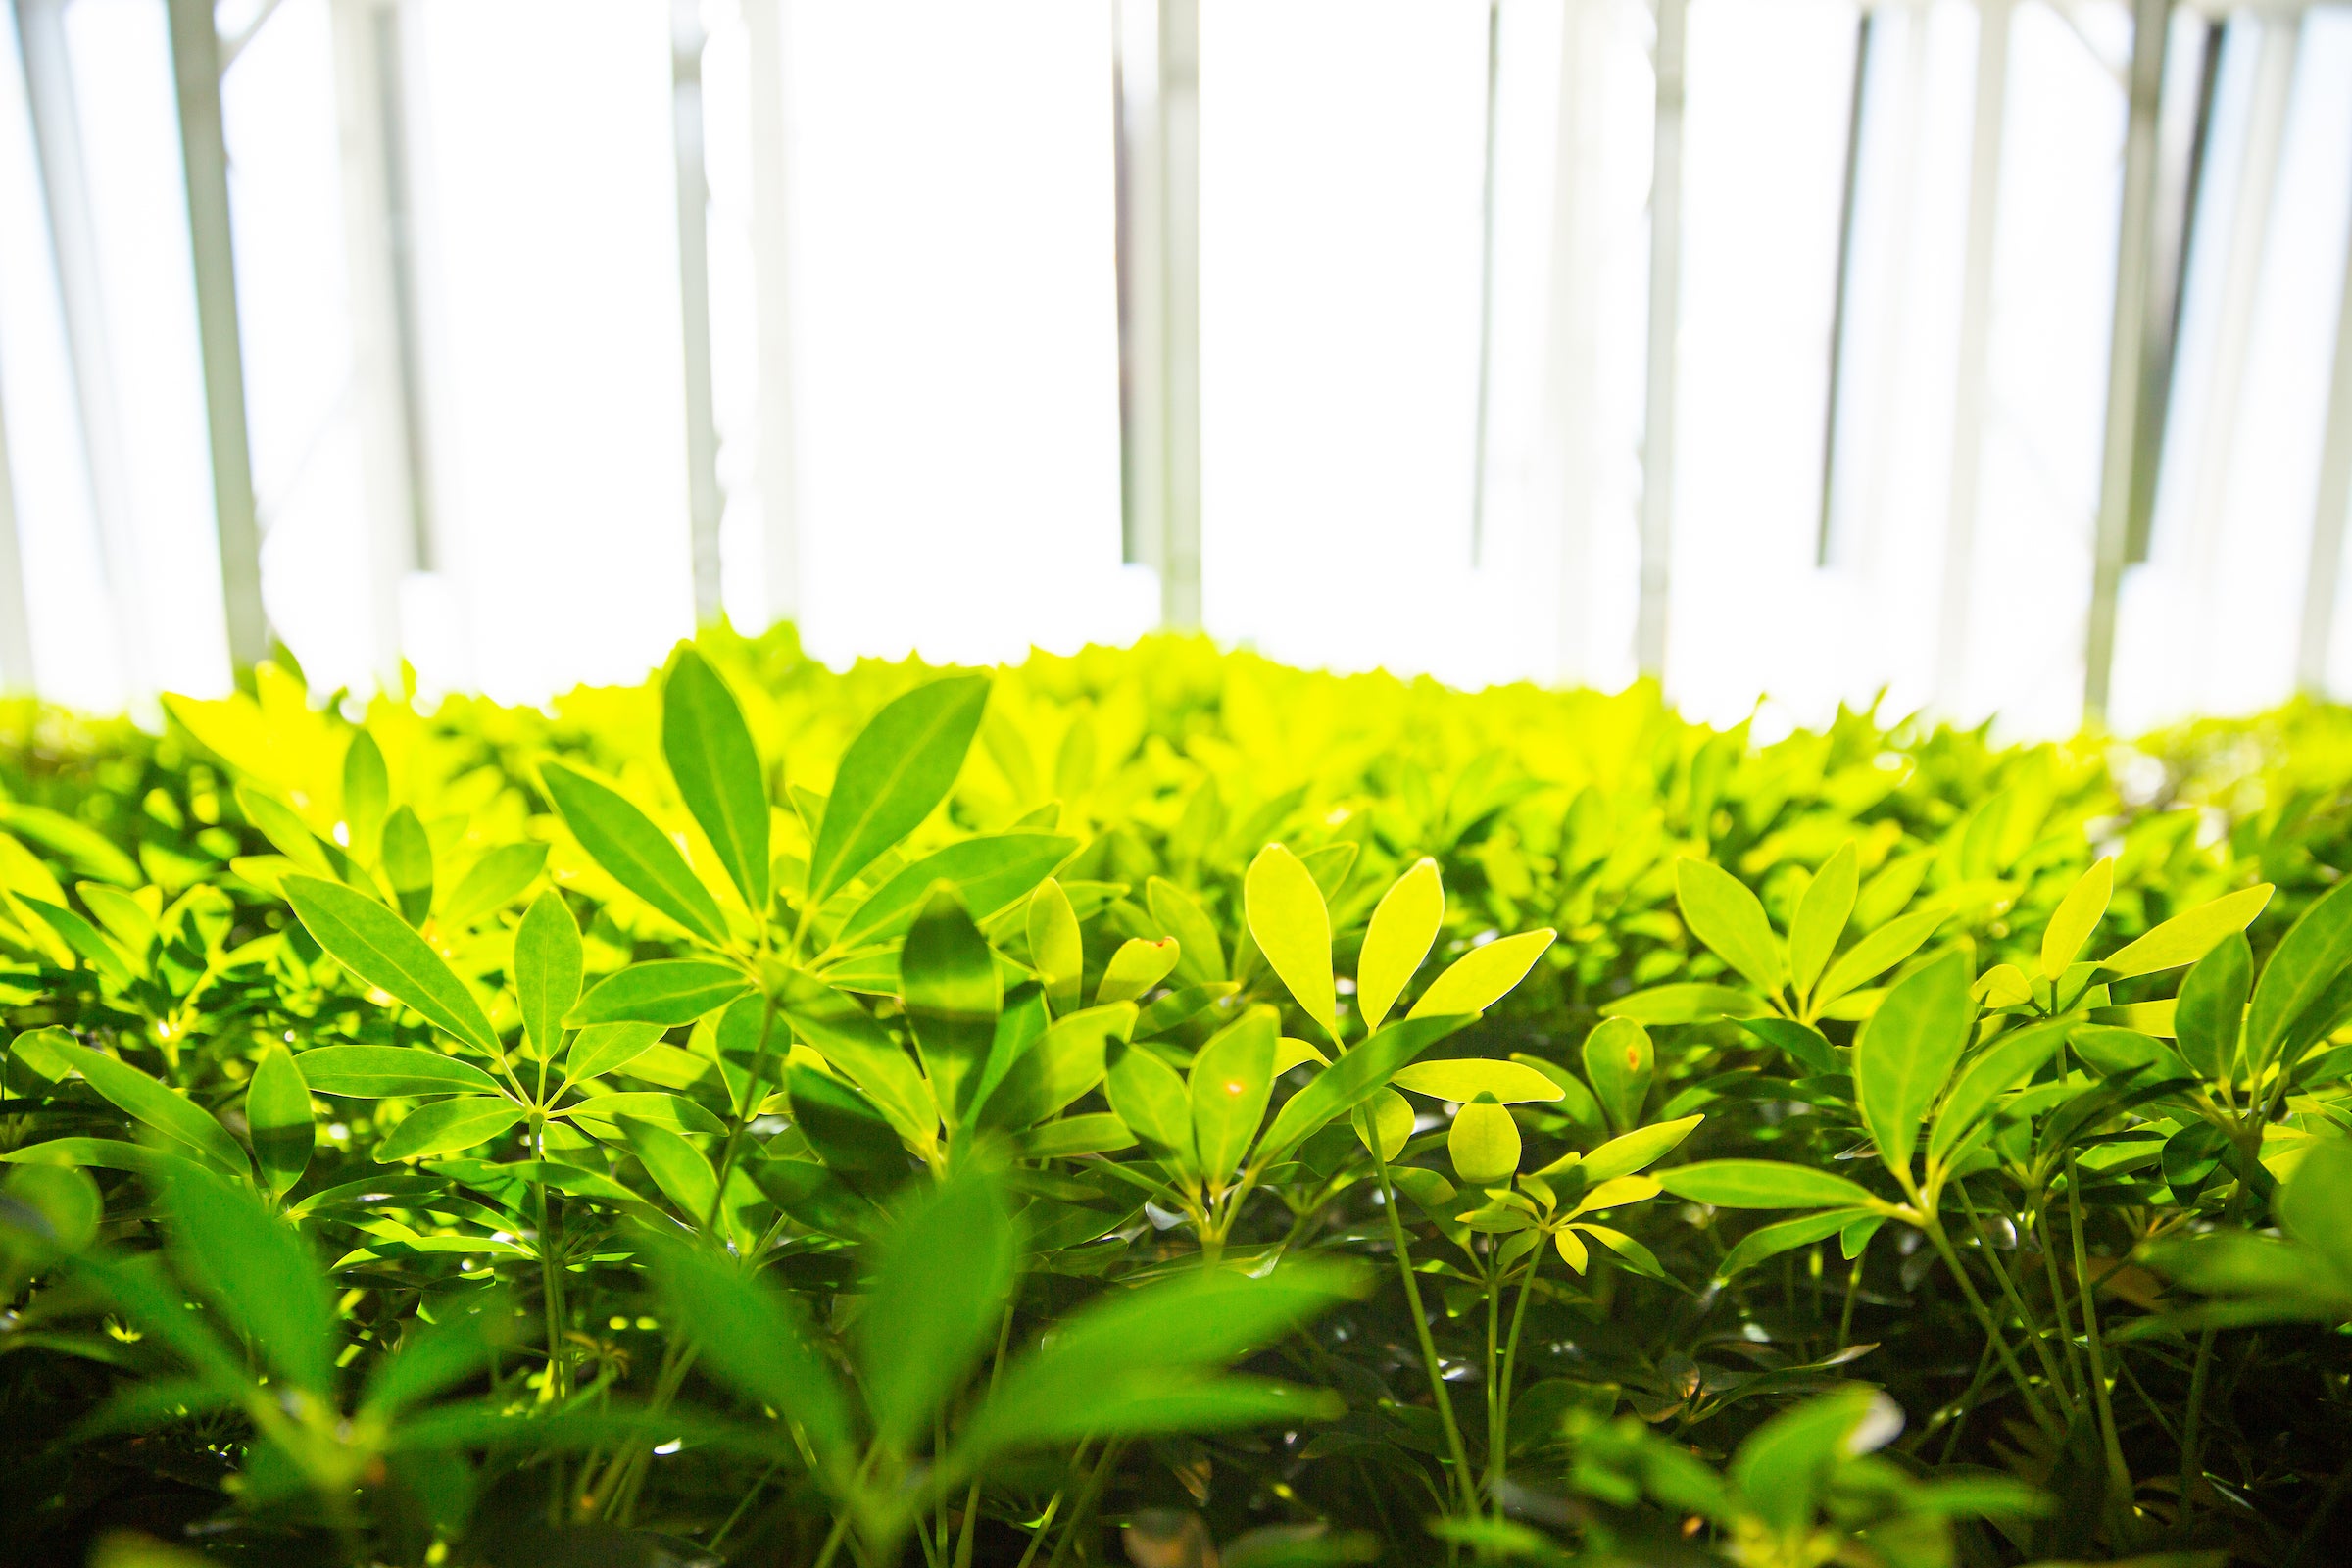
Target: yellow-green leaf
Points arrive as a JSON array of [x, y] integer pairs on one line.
[[2189, 935], [1404, 926], [2072, 922], [1723, 913], [1821, 916], [1055, 950], [1136, 968], [1481, 977], [1292, 926]]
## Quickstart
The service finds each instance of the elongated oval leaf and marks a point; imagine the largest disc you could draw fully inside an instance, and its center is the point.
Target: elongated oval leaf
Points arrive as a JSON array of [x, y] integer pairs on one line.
[[378, 1072], [637, 855], [1200, 955], [447, 1126], [1056, 945], [158, 1105], [1636, 1150], [255, 1270], [673, 1111], [549, 959], [2000, 1067], [944, 1272], [1464, 1079], [681, 1170], [1620, 1060], [278, 1115], [2213, 1006], [1404, 927], [1138, 964], [716, 765], [493, 882], [1762, 1184], [1292, 926], [383, 949], [986, 873], [899, 766], [1722, 913], [1232, 1079], [1352, 1079], [757, 1339], [948, 979], [2189, 935], [1907, 1053], [1821, 916], [1770, 1241], [1154, 1103], [367, 788], [1876, 954], [664, 991], [2076, 915], [408, 862], [1483, 976], [603, 1048], [2312, 953]]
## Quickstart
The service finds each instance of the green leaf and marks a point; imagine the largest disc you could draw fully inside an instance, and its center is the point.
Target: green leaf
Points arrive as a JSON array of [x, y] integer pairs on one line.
[[1481, 977], [1232, 1079], [939, 1286], [448, 1126], [549, 961], [986, 873], [756, 1339], [1876, 954], [277, 1114], [1055, 947], [712, 755], [833, 1026], [1138, 964], [603, 1048], [1801, 1040], [286, 831], [386, 953], [1387, 1116], [1292, 926], [1762, 1184], [84, 938], [676, 1166], [899, 766], [1350, 1080], [2189, 935], [1067, 1062], [2314, 951], [2312, 1203], [1483, 1143], [378, 1072], [948, 979], [1905, 1054], [255, 1270], [1770, 1241], [1784, 1467], [1685, 1001], [1463, 1079], [1202, 960], [1636, 1150], [1995, 1070], [1098, 1134], [1620, 1061], [79, 841], [1821, 916], [367, 788], [493, 882], [665, 990], [408, 862], [2212, 1008], [1722, 913], [637, 855], [164, 1109], [673, 1111], [843, 1126], [1153, 1101], [1404, 927], [2076, 915], [1140, 1360]]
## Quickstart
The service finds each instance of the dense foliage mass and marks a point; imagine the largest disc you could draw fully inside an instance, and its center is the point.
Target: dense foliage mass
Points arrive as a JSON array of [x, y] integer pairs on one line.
[[1163, 1106]]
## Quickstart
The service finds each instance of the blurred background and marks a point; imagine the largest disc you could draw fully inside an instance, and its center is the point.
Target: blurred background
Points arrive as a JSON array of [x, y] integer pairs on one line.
[[1988, 353]]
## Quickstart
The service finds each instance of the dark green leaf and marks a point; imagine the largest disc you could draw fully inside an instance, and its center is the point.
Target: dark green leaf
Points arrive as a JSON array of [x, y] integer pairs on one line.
[[757, 1339], [277, 1111], [257, 1271], [1907, 1053], [710, 754], [549, 961], [948, 978], [164, 1109], [2306, 961], [939, 1285]]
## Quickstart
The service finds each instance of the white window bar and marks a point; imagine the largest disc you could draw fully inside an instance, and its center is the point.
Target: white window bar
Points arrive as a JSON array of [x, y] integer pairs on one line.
[[774, 460], [73, 257], [1665, 303], [2134, 269], [1156, 77], [16, 624], [385, 398], [1975, 346], [1486, 288], [704, 501], [1572, 369], [2321, 582], [1857, 108], [204, 164]]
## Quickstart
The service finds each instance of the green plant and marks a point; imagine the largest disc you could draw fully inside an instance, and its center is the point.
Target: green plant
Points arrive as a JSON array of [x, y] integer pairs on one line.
[[1156, 1098]]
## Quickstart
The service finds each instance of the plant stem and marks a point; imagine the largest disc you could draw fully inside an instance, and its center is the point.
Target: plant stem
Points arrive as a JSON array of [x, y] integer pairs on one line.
[[2191, 1462], [1045, 1520], [743, 1117], [1853, 1284], [1498, 1444], [971, 1501], [1429, 1345], [2118, 1475], [1992, 1329], [2010, 1293], [1083, 1511]]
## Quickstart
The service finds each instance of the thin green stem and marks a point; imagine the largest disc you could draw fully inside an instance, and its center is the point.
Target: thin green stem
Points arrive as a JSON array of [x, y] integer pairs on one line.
[[1045, 1520], [1082, 1512], [2118, 1473], [2192, 1466], [1429, 1345], [2010, 1292], [1992, 1329], [1499, 1447], [995, 1370]]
